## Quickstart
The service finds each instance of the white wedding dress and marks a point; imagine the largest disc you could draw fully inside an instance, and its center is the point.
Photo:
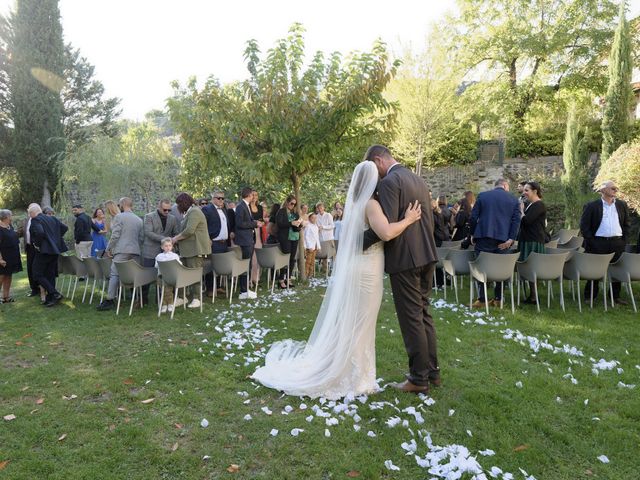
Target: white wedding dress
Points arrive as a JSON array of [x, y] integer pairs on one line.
[[339, 358]]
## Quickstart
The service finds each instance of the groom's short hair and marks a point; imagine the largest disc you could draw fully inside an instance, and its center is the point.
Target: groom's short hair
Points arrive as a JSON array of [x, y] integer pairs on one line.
[[245, 192], [376, 151]]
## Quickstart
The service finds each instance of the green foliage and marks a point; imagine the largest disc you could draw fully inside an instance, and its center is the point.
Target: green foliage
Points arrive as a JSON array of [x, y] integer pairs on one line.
[[36, 70], [575, 157], [284, 123], [623, 168], [541, 143], [9, 188], [140, 164], [615, 120]]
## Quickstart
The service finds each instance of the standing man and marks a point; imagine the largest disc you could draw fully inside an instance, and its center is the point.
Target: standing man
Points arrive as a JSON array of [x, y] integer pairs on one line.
[[605, 227], [410, 260], [156, 225], [30, 249], [82, 231], [126, 236], [46, 233], [494, 224], [325, 224], [245, 235], [218, 225]]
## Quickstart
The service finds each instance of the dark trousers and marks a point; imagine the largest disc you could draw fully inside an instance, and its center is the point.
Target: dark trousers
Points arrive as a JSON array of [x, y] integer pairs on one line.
[[45, 267], [216, 247], [31, 255], [411, 290], [291, 248], [147, 262], [601, 245], [247, 252], [489, 245]]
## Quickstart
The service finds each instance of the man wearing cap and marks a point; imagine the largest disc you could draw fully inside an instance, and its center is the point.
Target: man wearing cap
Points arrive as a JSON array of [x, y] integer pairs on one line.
[[82, 231], [605, 227]]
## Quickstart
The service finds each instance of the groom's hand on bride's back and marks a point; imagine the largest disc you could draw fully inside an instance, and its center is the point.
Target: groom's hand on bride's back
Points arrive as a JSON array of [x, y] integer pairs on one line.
[[370, 238]]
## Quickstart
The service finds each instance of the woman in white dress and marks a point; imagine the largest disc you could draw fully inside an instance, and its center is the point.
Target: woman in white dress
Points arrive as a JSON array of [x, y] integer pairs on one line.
[[339, 357]]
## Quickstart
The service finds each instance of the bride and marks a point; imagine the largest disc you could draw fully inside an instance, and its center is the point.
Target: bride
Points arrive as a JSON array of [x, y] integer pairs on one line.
[[339, 357]]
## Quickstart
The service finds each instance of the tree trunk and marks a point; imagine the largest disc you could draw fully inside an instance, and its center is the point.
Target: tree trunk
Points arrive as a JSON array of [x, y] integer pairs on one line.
[[295, 182], [46, 195]]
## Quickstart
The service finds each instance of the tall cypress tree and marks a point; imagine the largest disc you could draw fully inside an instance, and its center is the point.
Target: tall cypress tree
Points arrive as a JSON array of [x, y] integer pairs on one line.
[[572, 175], [615, 121], [36, 72]]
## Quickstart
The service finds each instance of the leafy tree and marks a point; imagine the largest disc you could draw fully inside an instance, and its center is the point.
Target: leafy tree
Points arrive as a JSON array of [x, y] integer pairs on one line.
[[528, 50], [284, 123], [35, 74], [615, 120], [86, 113], [623, 168]]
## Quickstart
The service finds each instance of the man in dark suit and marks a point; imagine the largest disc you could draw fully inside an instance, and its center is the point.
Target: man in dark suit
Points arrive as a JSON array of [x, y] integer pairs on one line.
[[219, 227], [46, 234], [245, 235], [605, 227], [410, 260], [495, 220], [30, 251]]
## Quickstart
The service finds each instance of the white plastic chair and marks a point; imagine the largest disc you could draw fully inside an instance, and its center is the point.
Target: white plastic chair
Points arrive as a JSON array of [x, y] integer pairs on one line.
[[626, 270], [588, 266], [493, 267]]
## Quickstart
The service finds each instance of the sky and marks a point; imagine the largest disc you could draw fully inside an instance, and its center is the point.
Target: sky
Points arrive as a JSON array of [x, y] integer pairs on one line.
[[140, 46]]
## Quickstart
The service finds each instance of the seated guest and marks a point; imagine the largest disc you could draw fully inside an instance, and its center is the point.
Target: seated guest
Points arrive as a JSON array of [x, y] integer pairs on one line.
[[167, 254], [82, 231], [193, 241], [532, 232], [10, 261], [98, 237], [311, 244]]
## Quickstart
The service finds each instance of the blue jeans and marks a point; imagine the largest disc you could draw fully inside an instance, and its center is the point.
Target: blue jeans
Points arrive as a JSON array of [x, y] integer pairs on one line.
[[489, 245]]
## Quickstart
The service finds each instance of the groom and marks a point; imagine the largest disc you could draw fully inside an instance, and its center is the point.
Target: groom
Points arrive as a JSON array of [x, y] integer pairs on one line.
[[410, 260]]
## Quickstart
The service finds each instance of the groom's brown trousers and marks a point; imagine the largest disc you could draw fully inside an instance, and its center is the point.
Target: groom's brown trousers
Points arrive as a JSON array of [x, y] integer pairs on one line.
[[411, 291]]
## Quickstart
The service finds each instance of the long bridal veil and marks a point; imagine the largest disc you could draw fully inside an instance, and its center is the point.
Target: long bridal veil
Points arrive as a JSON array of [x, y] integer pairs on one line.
[[317, 367]]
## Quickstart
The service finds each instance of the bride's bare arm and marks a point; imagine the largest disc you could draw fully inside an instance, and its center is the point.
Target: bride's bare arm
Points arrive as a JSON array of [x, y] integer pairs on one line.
[[385, 230]]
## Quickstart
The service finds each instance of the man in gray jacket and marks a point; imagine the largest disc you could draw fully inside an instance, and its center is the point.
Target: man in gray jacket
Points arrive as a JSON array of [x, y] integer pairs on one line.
[[157, 225], [126, 236]]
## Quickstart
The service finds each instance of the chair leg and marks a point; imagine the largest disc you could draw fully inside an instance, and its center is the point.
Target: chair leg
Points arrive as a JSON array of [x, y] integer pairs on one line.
[[75, 285], [273, 280], [289, 277], [133, 300], [455, 287], [161, 301], [591, 301], [104, 282], [140, 295], [561, 295], [549, 294], [486, 298], [604, 292], [175, 298], [579, 296], [215, 287], [86, 285], [93, 290], [470, 293], [573, 294], [513, 306], [119, 295], [200, 294], [519, 282], [69, 286], [502, 295], [611, 293], [231, 290], [535, 283], [633, 300], [444, 283]]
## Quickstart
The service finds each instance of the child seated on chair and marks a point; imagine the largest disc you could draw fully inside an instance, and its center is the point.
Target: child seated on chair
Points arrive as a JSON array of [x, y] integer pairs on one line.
[[311, 244], [167, 255]]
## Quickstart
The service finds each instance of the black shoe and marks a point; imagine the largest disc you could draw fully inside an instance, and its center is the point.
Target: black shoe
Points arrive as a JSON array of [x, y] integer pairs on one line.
[[106, 305]]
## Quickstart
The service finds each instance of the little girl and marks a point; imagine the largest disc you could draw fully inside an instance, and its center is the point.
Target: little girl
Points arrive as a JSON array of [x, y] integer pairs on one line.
[[166, 255]]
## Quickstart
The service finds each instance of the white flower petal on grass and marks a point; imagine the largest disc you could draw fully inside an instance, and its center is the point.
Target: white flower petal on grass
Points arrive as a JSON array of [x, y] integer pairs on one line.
[[370, 434], [469, 433], [495, 471], [390, 466], [410, 447], [595, 419], [327, 433], [519, 384], [356, 428], [451, 412], [393, 421], [558, 399], [266, 410], [487, 453], [204, 423], [303, 406], [309, 418], [603, 459], [296, 431], [624, 385], [288, 409], [273, 432], [586, 402]]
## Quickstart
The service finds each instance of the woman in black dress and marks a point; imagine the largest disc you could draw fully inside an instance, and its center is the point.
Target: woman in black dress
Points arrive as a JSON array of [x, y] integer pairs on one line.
[[463, 216], [288, 222], [10, 261], [532, 233]]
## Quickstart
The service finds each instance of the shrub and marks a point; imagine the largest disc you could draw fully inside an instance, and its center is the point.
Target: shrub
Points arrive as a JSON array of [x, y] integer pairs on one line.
[[623, 167]]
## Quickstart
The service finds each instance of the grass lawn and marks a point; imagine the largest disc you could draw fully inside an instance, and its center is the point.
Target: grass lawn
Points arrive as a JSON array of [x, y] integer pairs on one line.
[[97, 395]]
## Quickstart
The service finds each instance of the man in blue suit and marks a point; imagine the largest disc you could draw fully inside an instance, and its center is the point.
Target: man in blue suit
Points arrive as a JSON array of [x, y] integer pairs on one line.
[[495, 219], [245, 227]]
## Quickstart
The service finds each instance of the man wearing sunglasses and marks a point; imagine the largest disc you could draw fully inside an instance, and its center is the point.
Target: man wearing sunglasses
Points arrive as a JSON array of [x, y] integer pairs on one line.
[[157, 225], [605, 227], [220, 227]]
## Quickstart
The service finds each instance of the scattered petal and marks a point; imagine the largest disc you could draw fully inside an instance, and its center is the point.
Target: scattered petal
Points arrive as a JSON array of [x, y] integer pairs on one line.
[[62, 437], [273, 432], [233, 468], [9, 417], [204, 423], [296, 431], [390, 466], [603, 459], [148, 400]]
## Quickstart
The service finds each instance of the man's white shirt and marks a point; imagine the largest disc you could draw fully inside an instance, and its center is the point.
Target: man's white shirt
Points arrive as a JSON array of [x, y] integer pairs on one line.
[[610, 224], [224, 230]]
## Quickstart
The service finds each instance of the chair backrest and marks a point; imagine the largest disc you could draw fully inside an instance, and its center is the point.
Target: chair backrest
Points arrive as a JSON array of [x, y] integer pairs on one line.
[[229, 264], [551, 244], [565, 234], [556, 251], [457, 261], [93, 267], [77, 266], [451, 244], [132, 273], [627, 267], [441, 254], [64, 265], [105, 265], [237, 250], [327, 250], [572, 243], [271, 258], [547, 266], [496, 267], [587, 266]]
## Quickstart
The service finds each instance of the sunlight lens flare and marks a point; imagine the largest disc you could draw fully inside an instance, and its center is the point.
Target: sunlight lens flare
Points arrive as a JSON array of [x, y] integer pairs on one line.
[[49, 79]]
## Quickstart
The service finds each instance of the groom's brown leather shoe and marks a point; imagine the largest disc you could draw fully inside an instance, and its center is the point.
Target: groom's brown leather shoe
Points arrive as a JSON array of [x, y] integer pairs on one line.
[[409, 387]]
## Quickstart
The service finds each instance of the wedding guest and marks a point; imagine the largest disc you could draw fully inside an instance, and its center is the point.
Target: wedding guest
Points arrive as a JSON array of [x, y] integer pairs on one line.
[[30, 251], [522, 198], [10, 261], [111, 209], [127, 234], [304, 213], [325, 223], [311, 244], [288, 222], [439, 229], [49, 211], [245, 236], [532, 233], [272, 226], [203, 202], [193, 241], [446, 213], [462, 216], [219, 229], [337, 223], [99, 237], [167, 254], [82, 229], [336, 206], [257, 213], [47, 234]]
